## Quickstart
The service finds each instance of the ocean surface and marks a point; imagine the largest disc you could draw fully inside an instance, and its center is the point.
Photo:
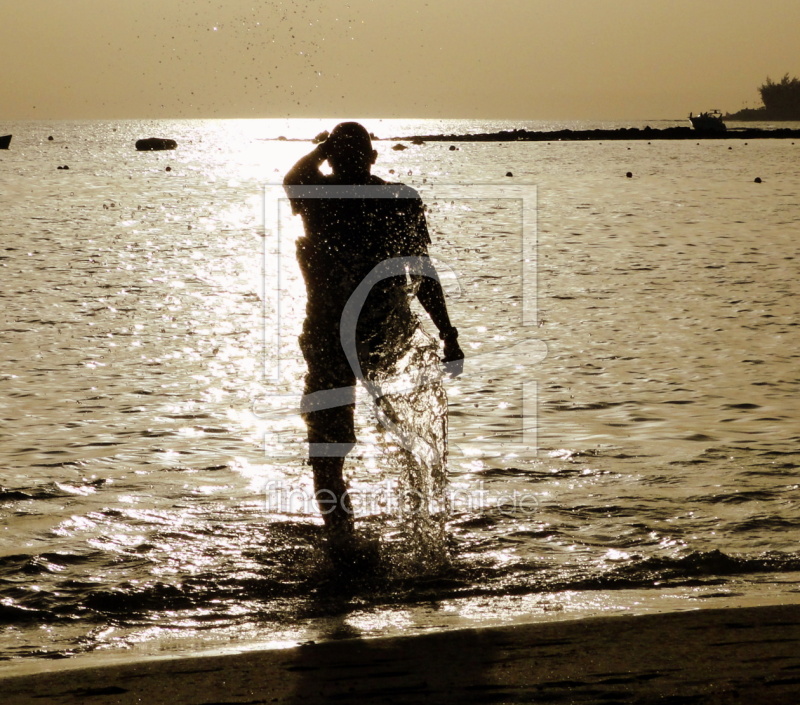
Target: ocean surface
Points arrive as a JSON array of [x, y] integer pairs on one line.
[[625, 436]]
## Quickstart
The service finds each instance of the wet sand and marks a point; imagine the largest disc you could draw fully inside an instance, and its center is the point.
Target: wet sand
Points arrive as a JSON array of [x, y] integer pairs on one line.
[[725, 656]]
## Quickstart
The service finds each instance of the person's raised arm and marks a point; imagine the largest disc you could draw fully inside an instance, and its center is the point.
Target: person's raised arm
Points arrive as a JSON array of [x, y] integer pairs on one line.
[[306, 170], [431, 296]]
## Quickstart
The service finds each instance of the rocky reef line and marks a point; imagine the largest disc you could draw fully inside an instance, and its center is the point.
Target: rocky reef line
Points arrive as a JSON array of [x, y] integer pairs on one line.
[[622, 133]]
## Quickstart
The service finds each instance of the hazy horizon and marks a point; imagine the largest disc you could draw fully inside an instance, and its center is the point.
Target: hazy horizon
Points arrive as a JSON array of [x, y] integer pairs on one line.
[[510, 59]]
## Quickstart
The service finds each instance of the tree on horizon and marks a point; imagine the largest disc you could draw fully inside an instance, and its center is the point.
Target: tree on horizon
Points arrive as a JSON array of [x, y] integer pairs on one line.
[[782, 99]]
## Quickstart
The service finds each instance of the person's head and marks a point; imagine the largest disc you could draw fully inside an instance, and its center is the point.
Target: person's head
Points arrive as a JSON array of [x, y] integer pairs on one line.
[[349, 150]]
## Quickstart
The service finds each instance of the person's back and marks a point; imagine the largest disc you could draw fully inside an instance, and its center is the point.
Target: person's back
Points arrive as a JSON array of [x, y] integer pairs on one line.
[[347, 236]]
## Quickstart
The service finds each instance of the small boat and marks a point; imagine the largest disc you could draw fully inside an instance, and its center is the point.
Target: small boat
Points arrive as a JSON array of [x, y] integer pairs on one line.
[[5, 140], [708, 122]]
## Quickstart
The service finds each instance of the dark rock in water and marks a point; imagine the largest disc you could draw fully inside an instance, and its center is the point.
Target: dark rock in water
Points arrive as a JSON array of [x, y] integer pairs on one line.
[[399, 147], [151, 144], [508, 173], [5, 140], [50, 139], [757, 180], [453, 148], [629, 174], [169, 168]]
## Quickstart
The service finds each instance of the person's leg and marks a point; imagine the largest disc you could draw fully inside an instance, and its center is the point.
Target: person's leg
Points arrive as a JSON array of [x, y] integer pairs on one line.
[[333, 499], [331, 435]]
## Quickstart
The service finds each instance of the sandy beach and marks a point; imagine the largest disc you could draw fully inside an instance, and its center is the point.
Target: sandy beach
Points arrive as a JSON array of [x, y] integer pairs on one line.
[[706, 656]]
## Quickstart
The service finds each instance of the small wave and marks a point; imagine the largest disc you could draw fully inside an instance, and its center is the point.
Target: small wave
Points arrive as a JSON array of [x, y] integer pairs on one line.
[[50, 490], [49, 562], [764, 523], [12, 614], [739, 497], [655, 571]]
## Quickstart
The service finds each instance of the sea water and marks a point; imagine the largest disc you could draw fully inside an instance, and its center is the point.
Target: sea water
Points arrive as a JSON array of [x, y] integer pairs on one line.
[[624, 436]]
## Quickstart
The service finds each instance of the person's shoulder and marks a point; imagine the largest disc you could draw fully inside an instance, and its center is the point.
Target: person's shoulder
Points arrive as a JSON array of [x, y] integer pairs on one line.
[[396, 189], [303, 192], [309, 179]]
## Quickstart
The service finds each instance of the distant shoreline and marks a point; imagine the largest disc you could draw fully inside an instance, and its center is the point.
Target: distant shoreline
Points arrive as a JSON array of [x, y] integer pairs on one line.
[[622, 133], [758, 117]]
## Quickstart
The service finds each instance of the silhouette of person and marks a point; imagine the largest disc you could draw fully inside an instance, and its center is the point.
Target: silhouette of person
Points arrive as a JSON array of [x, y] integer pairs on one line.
[[349, 230]]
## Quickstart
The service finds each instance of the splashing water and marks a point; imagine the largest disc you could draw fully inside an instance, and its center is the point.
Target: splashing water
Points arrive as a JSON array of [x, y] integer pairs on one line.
[[411, 410]]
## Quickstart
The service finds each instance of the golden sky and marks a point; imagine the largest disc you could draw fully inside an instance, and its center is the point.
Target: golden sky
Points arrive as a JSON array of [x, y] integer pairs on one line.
[[513, 59]]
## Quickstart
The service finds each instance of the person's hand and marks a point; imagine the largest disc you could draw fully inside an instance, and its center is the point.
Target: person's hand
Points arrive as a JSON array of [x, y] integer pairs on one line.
[[323, 149], [453, 356], [333, 147]]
